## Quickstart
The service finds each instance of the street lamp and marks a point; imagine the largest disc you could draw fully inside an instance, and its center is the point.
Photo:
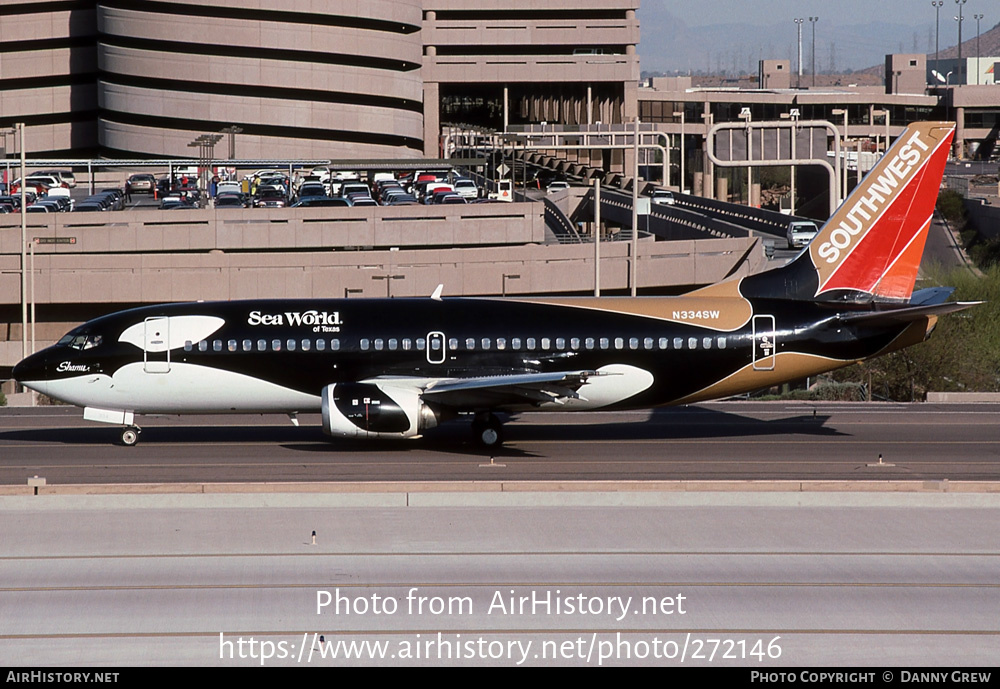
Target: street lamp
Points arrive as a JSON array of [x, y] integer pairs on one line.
[[745, 114], [843, 188], [960, 19], [388, 278], [798, 27], [680, 114], [978, 17], [937, 30], [813, 21]]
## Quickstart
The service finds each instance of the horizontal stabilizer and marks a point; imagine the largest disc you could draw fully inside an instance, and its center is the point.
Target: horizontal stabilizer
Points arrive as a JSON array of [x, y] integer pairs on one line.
[[905, 314]]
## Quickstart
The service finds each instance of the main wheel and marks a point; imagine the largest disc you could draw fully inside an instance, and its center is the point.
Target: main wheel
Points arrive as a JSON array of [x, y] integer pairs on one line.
[[488, 432], [130, 436]]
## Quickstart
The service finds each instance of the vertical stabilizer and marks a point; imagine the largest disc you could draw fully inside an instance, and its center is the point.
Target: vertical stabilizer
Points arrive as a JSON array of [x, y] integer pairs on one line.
[[870, 249]]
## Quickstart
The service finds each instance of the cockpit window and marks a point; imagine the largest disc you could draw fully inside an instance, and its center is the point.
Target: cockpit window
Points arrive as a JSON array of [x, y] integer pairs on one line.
[[80, 342]]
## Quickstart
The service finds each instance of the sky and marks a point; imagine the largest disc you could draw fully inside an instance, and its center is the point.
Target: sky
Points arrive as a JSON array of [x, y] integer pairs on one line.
[[707, 12], [713, 35]]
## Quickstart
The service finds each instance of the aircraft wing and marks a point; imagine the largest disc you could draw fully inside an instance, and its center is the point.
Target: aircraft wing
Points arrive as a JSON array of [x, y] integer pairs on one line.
[[504, 390]]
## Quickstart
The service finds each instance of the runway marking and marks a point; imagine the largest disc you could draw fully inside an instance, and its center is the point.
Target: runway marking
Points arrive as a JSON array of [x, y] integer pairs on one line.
[[508, 553], [493, 586]]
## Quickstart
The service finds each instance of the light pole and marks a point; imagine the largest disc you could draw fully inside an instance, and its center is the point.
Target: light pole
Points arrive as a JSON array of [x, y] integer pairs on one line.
[[388, 278], [937, 31], [813, 21], [798, 27], [680, 114], [960, 19], [978, 17], [843, 183], [745, 114], [24, 251]]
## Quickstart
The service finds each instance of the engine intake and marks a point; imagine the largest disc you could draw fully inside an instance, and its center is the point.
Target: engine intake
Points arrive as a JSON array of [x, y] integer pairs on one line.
[[367, 410]]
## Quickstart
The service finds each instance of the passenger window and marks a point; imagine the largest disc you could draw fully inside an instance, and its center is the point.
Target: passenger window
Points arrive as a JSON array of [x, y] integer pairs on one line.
[[633, 343], [421, 343], [232, 345], [365, 344], [589, 343], [605, 343], [261, 345], [290, 345], [247, 345], [486, 343], [379, 344], [306, 345], [320, 345], [188, 345], [619, 343], [546, 343], [203, 346], [435, 344], [663, 343], [574, 343], [217, 345], [335, 344], [531, 343], [393, 344], [678, 343], [501, 343], [560, 343], [721, 342], [470, 343], [407, 344], [515, 343], [647, 343], [692, 343], [706, 342], [276, 345]]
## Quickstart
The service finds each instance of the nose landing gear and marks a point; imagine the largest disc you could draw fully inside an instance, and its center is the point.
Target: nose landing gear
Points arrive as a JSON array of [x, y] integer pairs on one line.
[[130, 435]]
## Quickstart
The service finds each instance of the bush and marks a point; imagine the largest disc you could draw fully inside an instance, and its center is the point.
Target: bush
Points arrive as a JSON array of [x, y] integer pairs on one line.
[[951, 205]]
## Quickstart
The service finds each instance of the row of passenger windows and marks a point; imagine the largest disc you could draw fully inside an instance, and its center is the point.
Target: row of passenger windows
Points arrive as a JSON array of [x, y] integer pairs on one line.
[[469, 344]]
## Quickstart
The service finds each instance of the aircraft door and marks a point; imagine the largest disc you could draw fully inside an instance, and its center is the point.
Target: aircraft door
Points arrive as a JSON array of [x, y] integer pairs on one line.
[[156, 347], [437, 350], [764, 343]]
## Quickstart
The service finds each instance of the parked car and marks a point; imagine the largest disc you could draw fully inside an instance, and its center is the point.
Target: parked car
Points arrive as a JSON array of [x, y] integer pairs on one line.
[[142, 183], [556, 187], [466, 188], [322, 202]]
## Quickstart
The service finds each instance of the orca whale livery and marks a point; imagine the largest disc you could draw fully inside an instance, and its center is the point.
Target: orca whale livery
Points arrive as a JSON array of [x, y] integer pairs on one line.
[[381, 368]]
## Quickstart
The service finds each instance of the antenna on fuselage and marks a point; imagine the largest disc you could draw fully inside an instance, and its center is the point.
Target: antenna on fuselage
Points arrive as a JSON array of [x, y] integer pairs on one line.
[[436, 296]]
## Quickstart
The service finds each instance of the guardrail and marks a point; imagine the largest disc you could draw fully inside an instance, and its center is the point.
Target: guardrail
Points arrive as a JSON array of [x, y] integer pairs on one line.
[[259, 229]]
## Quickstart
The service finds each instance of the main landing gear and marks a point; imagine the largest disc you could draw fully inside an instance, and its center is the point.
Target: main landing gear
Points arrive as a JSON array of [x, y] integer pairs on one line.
[[487, 430], [130, 435]]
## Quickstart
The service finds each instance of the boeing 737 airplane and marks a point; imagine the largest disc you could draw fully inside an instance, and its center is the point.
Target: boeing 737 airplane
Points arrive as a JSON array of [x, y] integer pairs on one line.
[[379, 368]]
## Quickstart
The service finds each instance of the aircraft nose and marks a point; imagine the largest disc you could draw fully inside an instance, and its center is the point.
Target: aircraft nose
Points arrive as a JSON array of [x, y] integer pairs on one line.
[[31, 369]]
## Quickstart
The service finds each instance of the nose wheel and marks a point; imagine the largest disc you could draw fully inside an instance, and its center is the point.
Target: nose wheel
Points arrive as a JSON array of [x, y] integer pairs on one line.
[[130, 435], [487, 431]]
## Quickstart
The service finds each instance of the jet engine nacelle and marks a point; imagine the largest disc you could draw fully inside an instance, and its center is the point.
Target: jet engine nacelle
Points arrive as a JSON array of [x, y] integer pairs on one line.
[[366, 410]]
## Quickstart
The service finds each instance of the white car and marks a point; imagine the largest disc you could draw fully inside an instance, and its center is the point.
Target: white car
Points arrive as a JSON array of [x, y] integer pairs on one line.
[[662, 197], [800, 233], [466, 188], [556, 187]]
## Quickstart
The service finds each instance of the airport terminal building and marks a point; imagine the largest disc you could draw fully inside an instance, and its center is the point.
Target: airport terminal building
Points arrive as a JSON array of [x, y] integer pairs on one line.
[[306, 79]]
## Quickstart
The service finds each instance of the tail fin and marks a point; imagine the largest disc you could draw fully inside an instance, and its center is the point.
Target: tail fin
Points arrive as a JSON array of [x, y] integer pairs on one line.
[[870, 248]]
